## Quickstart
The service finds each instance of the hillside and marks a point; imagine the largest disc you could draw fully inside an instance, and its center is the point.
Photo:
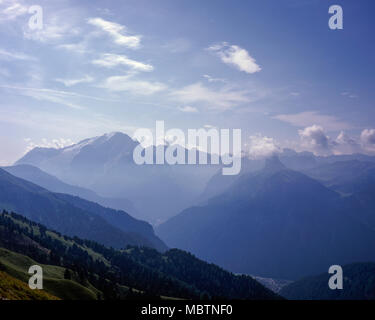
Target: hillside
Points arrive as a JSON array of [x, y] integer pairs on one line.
[[275, 223], [53, 184], [54, 283], [133, 273], [74, 216], [359, 284], [14, 289]]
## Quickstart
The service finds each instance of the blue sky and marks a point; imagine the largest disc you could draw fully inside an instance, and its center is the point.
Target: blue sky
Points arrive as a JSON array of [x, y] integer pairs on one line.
[[272, 68]]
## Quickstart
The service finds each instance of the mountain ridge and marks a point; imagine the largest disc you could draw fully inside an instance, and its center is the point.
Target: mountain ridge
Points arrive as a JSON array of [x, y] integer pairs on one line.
[[70, 215], [289, 225], [105, 165], [53, 184], [131, 273]]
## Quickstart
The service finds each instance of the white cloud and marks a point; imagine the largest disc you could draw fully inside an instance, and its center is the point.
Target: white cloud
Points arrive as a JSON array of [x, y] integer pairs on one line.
[[118, 32], [188, 109], [236, 56], [12, 55], [55, 29], [12, 10], [261, 146], [63, 124], [309, 118], [368, 136], [45, 143], [368, 139], [224, 98], [315, 139], [56, 92], [345, 144], [66, 98], [72, 82], [138, 87], [110, 60], [212, 79], [53, 97]]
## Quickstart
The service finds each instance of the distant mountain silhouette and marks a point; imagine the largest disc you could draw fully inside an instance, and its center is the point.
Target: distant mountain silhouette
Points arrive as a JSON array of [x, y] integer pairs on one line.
[[273, 164], [86, 154], [305, 162], [105, 165], [348, 177], [74, 216], [51, 183], [354, 179], [275, 223]]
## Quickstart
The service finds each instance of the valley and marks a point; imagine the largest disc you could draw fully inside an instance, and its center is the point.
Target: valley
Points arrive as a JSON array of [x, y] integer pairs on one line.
[[270, 221]]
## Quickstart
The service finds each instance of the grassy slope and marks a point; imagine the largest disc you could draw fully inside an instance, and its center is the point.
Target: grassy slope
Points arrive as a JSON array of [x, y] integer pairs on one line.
[[68, 243], [17, 266], [172, 264], [14, 289]]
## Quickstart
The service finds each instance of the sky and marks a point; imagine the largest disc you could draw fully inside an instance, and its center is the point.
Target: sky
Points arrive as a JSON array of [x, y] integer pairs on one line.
[[271, 68]]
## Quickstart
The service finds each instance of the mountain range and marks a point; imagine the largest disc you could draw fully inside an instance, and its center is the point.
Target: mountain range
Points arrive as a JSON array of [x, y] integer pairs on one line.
[[105, 165], [74, 216], [276, 223], [78, 269], [51, 183], [153, 193], [285, 217]]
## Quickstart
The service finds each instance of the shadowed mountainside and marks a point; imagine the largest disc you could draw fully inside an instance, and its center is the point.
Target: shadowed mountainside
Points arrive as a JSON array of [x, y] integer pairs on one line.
[[276, 223], [74, 216]]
